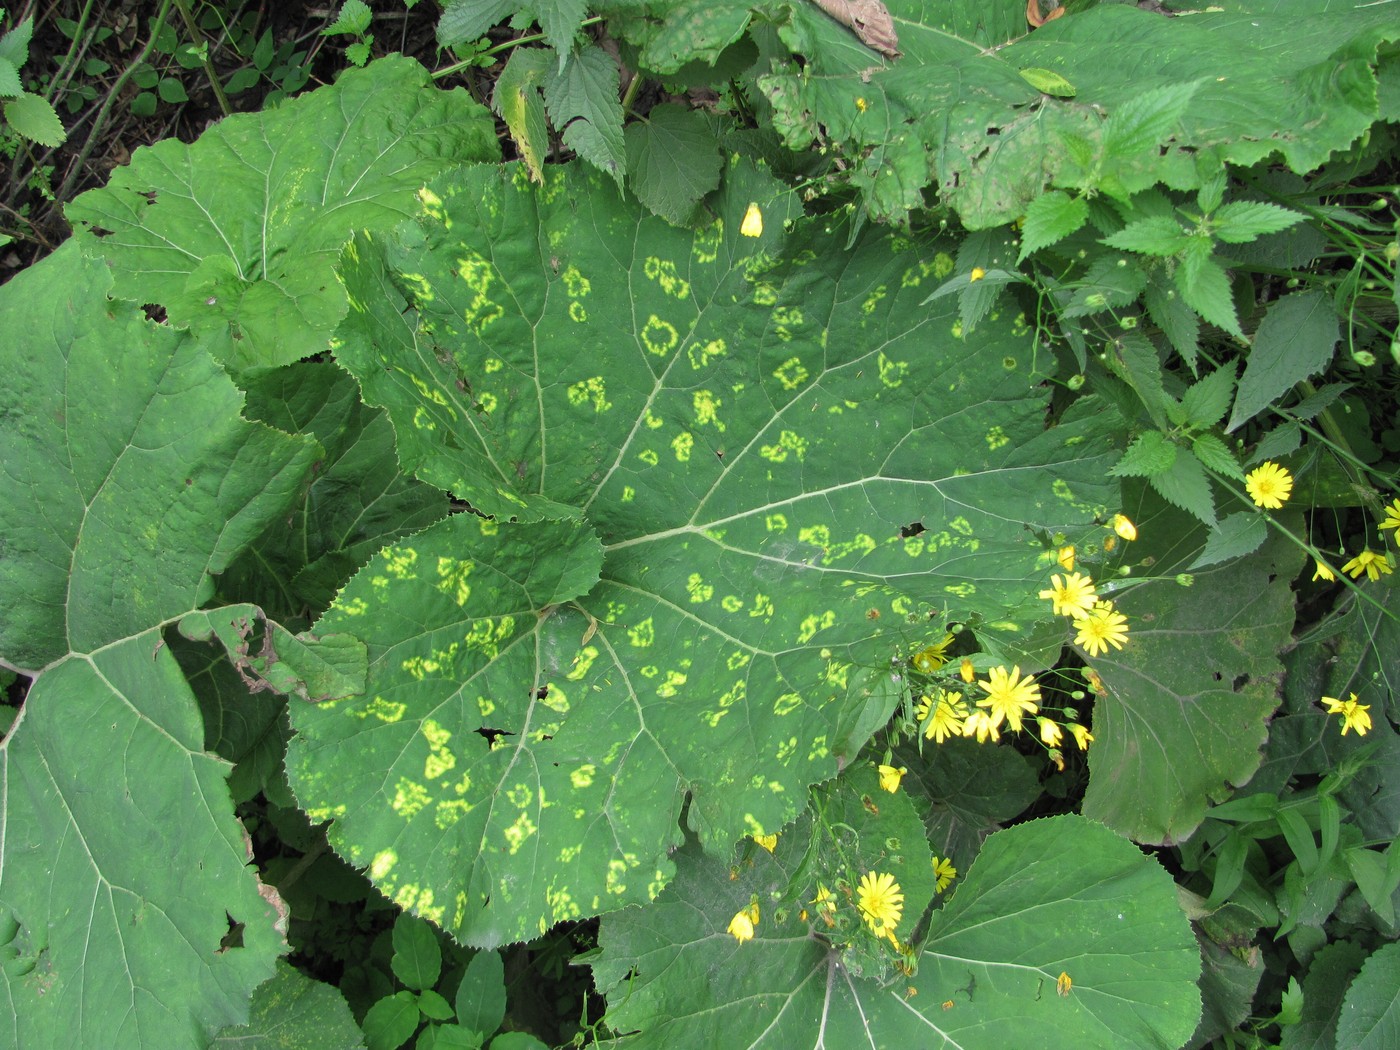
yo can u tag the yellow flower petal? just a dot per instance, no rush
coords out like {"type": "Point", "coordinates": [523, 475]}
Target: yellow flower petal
{"type": "Point", "coordinates": [1124, 527]}
{"type": "Point", "coordinates": [890, 777]}
{"type": "Point", "coordinates": [741, 926]}
{"type": "Point", "coordinates": [752, 225]}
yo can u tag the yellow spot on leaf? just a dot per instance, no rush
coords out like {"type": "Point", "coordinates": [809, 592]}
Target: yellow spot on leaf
{"type": "Point", "coordinates": [587, 390]}
{"type": "Point", "coordinates": [700, 355]}
{"type": "Point", "coordinates": [682, 444]}
{"type": "Point", "coordinates": [698, 589]}
{"type": "Point", "coordinates": [643, 635]}
{"type": "Point", "coordinates": [659, 337]}
{"type": "Point", "coordinates": [788, 441]}
{"type": "Point", "coordinates": [409, 798]}
{"type": "Point", "coordinates": [791, 373]}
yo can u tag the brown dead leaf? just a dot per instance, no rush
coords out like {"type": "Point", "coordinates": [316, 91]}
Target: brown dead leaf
{"type": "Point", "coordinates": [870, 21]}
{"type": "Point", "coordinates": [1036, 19]}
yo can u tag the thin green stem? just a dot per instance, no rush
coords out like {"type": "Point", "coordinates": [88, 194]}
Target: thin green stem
{"type": "Point", "coordinates": [199, 39]}
{"type": "Point", "coordinates": [532, 38]}
{"type": "Point", "coordinates": [99, 122]}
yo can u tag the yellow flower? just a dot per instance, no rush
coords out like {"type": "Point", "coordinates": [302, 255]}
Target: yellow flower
{"type": "Point", "coordinates": [1063, 984]}
{"type": "Point", "coordinates": [1101, 628]}
{"type": "Point", "coordinates": [1324, 571]}
{"type": "Point", "coordinates": [1049, 732]}
{"type": "Point", "coordinates": [1269, 485]}
{"type": "Point", "coordinates": [966, 671]}
{"type": "Point", "coordinates": [741, 926]}
{"type": "Point", "coordinates": [1072, 595]}
{"type": "Point", "coordinates": [1081, 735]}
{"type": "Point", "coordinates": [768, 842]}
{"type": "Point", "coordinates": [1009, 696]}
{"type": "Point", "coordinates": [1124, 527]}
{"type": "Point", "coordinates": [1368, 561]}
{"type": "Point", "coordinates": [881, 903]}
{"type": "Point", "coordinates": [931, 658]}
{"type": "Point", "coordinates": [890, 777]}
{"type": "Point", "coordinates": [1066, 558]}
{"type": "Point", "coordinates": [977, 274]}
{"type": "Point", "coordinates": [1392, 517]}
{"type": "Point", "coordinates": [981, 725]}
{"type": "Point", "coordinates": [861, 104]}
{"type": "Point", "coordinates": [752, 225]}
{"type": "Point", "coordinates": [944, 872]}
{"type": "Point", "coordinates": [1353, 714]}
{"type": "Point", "coordinates": [1057, 756]}
{"type": "Point", "coordinates": [947, 717]}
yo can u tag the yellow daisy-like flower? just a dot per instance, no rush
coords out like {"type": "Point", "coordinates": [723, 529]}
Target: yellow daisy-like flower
{"type": "Point", "coordinates": [768, 842]}
{"type": "Point", "coordinates": [1372, 564]}
{"type": "Point", "coordinates": [1081, 735]}
{"type": "Point", "coordinates": [1324, 571]}
{"type": "Point", "coordinates": [1050, 733]}
{"type": "Point", "coordinates": [981, 725]}
{"type": "Point", "coordinates": [966, 671]}
{"type": "Point", "coordinates": [1392, 517]}
{"type": "Point", "coordinates": [890, 777]}
{"type": "Point", "coordinates": [1353, 714]}
{"type": "Point", "coordinates": [752, 226]}
{"type": "Point", "coordinates": [1102, 627]}
{"type": "Point", "coordinates": [741, 926]}
{"type": "Point", "coordinates": [1066, 558]}
{"type": "Point", "coordinates": [1269, 485]}
{"type": "Point", "coordinates": [1124, 526]}
{"type": "Point", "coordinates": [931, 658]}
{"type": "Point", "coordinates": [1009, 696]}
{"type": "Point", "coordinates": [1071, 595]}
{"type": "Point", "coordinates": [881, 903]}
{"type": "Point", "coordinates": [947, 716]}
{"type": "Point", "coordinates": [943, 872]}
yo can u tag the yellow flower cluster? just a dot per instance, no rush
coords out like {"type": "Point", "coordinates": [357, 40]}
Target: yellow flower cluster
{"type": "Point", "coordinates": [1097, 624]}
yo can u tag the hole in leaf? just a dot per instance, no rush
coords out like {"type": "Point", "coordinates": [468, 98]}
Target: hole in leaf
{"type": "Point", "coordinates": [912, 529]}
{"type": "Point", "coordinates": [150, 196]}
{"type": "Point", "coordinates": [154, 312]}
{"type": "Point", "coordinates": [719, 453]}
{"type": "Point", "coordinates": [99, 231]}
{"type": "Point", "coordinates": [1240, 682]}
{"type": "Point", "coordinates": [994, 131]}
{"type": "Point", "coordinates": [234, 937]}
{"type": "Point", "coordinates": [542, 692]}
{"type": "Point", "coordinates": [492, 735]}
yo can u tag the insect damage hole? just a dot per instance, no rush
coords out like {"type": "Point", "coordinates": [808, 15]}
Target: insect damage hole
{"type": "Point", "coordinates": [233, 938]}
{"type": "Point", "coordinates": [493, 735]}
{"type": "Point", "coordinates": [912, 529]}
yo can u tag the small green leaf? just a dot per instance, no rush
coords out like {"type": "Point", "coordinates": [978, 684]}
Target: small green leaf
{"type": "Point", "coordinates": [673, 160]}
{"type": "Point", "coordinates": [1108, 284]}
{"type": "Point", "coordinates": [1049, 82]}
{"type": "Point", "coordinates": [467, 20]}
{"type": "Point", "coordinates": [450, 1037]}
{"type": "Point", "coordinates": [1150, 453]}
{"type": "Point", "coordinates": [357, 54]}
{"type": "Point", "coordinates": [1051, 216]}
{"type": "Point", "coordinates": [391, 1022]}
{"type": "Point", "coordinates": [582, 99]}
{"type": "Point", "coordinates": [30, 116]}
{"type": "Point", "coordinates": [1134, 359]}
{"type": "Point", "coordinates": [517, 1041]}
{"type": "Point", "coordinates": [1206, 290]}
{"type": "Point", "coordinates": [1214, 455]}
{"type": "Point", "coordinates": [1187, 486]}
{"type": "Point", "coordinates": [518, 99]}
{"type": "Point", "coordinates": [1242, 221]}
{"type": "Point", "coordinates": [1158, 235]}
{"type": "Point", "coordinates": [10, 85]}
{"type": "Point", "coordinates": [417, 957]}
{"type": "Point", "coordinates": [171, 90]}
{"type": "Point", "coordinates": [1179, 323]}
{"type": "Point", "coordinates": [481, 997]}
{"type": "Point", "coordinates": [434, 1006]}
{"type": "Point", "coordinates": [1295, 340]}
{"type": "Point", "coordinates": [1241, 533]}
{"type": "Point", "coordinates": [14, 45]}
{"type": "Point", "coordinates": [1145, 122]}
{"type": "Point", "coordinates": [1370, 1017]}
{"type": "Point", "coordinates": [354, 18]}
{"type": "Point", "coordinates": [1207, 399]}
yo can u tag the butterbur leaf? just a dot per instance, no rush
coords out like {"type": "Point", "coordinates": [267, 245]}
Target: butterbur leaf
{"type": "Point", "coordinates": [681, 422]}
{"type": "Point", "coordinates": [1118, 932]}
{"type": "Point", "coordinates": [1295, 340]}
{"type": "Point", "coordinates": [1051, 217]}
{"type": "Point", "coordinates": [293, 1010]}
{"type": "Point", "coordinates": [1182, 715]}
{"type": "Point", "coordinates": [236, 234]}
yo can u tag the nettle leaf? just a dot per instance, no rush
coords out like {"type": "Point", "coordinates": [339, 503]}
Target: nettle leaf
{"type": "Point", "coordinates": [236, 235]}
{"type": "Point", "coordinates": [1295, 340]}
{"type": "Point", "coordinates": [1179, 323]}
{"type": "Point", "coordinates": [1242, 221]}
{"type": "Point", "coordinates": [1051, 217]}
{"type": "Point", "coordinates": [1150, 453]}
{"type": "Point", "coordinates": [149, 483]}
{"type": "Point", "coordinates": [1109, 283]}
{"type": "Point", "coordinates": [1156, 235]}
{"type": "Point", "coordinates": [1185, 484]}
{"type": "Point", "coordinates": [1368, 1019]}
{"type": "Point", "coordinates": [518, 99]}
{"type": "Point", "coordinates": [1241, 533]}
{"type": "Point", "coordinates": [738, 435]}
{"type": "Point", "coordinates": [1184, 711]}
{"type": "Point", "coordinates": [1206, 289]}
{"type": "Point", "coordinates": [1062, 895]}
{"type": "Point", "coordinates": [1206, 400]}
{"type": "Point", "coordinates": [1215, 455]}
{"type": "Point", "coordinates": [583, 103]}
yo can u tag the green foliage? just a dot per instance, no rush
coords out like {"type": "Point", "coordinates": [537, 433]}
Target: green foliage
{"type": "Point", "coordinates": [28, 115]}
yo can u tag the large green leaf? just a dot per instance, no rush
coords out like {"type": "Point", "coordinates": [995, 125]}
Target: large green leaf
{"type": "Point", "coordinates": [132, 477]}
{"type": "Point", "coordinates": [1234, 85]}
{"type": "Point", "coordinates": [122, 862]}
{"type": "Point", "coordinates": [236, 235]}
{"type": "Point", "coordinates": [1054, 896]}
{"type": "Point", "coordinates": [292, 1011]}
{"type": "Point", "coordinates": [757, 429]}
{"type": "Point", "coordinates": [1183, 714]}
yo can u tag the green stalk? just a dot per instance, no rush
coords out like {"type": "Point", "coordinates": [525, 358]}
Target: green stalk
{"type": "Point", "coordinates": [199, 38]}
